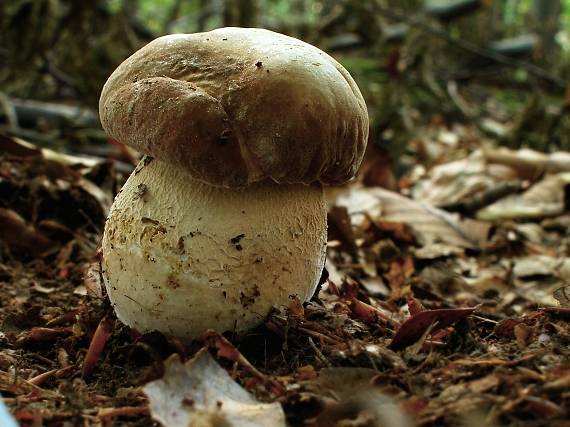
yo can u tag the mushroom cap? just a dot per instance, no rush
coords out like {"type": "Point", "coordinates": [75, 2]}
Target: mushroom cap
{"type": "Point", "coordinates": [238, 105]}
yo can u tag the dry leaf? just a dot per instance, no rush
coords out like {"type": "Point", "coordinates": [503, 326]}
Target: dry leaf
{"type": "Point", "coordinates": [201, 393]}
{"type": "Point", "coordinates": [20, 236]}
{"type": "Point", "coordinates": [413, 328]}
{"type": "Point", "coordinates": [546, 198]}
{"type": "Point", "coordinates": [562, 295]}
{"type": "Point", "coordinates": [354, 395]}
{"type": "Point", "coordinates": [462, 180]}
{"type": "Point", "coordinates": [430, 225]}
{"type": "Point", "coordinates": [529, 163]}
{"type": "Point", "coordinates": [535, 265]}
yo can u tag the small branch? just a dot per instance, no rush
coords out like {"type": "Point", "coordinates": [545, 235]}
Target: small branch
{"type": "Point", "coordinates": [98, 342]}
{"type": "Point", "coordinates": [40, 379]}
{"type": "Point", "coordinates": [125, 411]}
{"type": "Point", "coordinates": [319, 353]}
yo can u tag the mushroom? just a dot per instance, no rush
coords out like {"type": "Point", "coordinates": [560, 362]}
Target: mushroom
{"type": "Point", "coordinates": [225, 217]}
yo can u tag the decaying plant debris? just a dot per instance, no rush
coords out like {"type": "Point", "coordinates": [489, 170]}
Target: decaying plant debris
{"type": "Point", "coordinates": [426, 312]}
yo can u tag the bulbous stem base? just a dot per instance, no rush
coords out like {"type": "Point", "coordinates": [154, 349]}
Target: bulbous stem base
{"type": "Point", "coordinates": [181, 257]}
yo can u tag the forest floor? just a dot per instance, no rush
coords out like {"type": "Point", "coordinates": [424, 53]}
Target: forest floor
{"type": "Point", "coordinates": [446, 303]}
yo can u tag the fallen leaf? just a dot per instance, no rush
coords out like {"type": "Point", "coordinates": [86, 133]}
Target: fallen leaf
{"type": "Point", "coordinates": [413, 328]}
{"type": "Point", "coordinates": [39, 334]}
{"type": "Point", "coordinates": [522, 334]}
{"type": "Point", "coordinates": [561, 311]}
{"type": "Point", "coordinates": [462, 181]}
{"type": "Point", "coordinates": [562, 295]}
{"type": "Point", "coordinates": [397, 230]}
{"type": "Point", "coordinates": [93, 280]}
{"type": "Point", "coordinates": [20, 236]}
{"type": "Point", "coordinates": [341, 228]}
{"type": "Point", "coordinates": [546, 198]}
{"type": "Point", "coordinates": [485, 384]}
{"type": "Point", "coordinates": [542, 408]}
{"type": "Point", "coordinates": [295, 306]}
{"type": "Point", "coordinates": [20, 148]}
{"type": "Point", "coordinates": [398, 275]}
{"type": "Point", "coordinates": [354, 394]}
{"type": "Point", "coordinates": [537, 265]}
{"type": "Point", "coordinates": [414, 306]}
{"type": "Point", "coordinates": [429, 224]}
{"type": "Point", "coordinates": [437, 250]}
{"type": "Point", "coordinates": [529, 163]}
{"type": "Point", "coordinates": [506, 328]}
{"type": "Point", "coordinates": [201, 393]}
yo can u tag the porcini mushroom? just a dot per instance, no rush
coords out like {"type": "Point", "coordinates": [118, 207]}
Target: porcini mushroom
{"type": "Point", "coordinates": [225, 217]}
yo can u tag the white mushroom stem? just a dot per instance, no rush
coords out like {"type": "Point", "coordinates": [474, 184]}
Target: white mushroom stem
{"type": "Point", "coordinates": [180, 256]}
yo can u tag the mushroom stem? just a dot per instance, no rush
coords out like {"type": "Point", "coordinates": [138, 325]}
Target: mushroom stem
{"type": "Point", "coordinates": [181, 256]}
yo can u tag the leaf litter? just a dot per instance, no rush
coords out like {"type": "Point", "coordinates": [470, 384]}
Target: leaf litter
{"type": "Point", "coordinates": [436, 307]}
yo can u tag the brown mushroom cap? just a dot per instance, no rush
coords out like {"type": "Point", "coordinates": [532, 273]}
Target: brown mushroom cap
{"type": "Point", "coordinates": [238, 105]}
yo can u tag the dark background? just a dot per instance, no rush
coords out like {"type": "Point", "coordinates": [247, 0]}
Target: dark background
{"type": "Point", "coordinates": [502, 65]}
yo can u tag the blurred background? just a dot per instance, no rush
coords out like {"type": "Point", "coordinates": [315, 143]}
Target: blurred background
{"type": "Point", "coordinates": [500, 65]}
{"type": "Point", "coordinates": [462, 202]}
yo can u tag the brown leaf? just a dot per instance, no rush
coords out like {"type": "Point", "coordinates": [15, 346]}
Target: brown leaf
{"type": "Point", "coordinates": [295, 306]}
{"type": "Point", "coordinates": [506, 328]}
{"type": "Point", "coordinates": [396, 230]}
{"type": "Point", "coordinates": [483, 385]}
{"type": "Point", "coordinates": [542, 408]}
{"type": "Point", "coordinates": [368, 314]}
{"type": "Point", "coordinates": [413, 328]}
{"type": "Point", "coordinates": [399, 273]}
{"type": "Point", "coordinates": [376, 168]}
{"type": "Point", "coordinates": [415, 306]}
{"type": "Point", "coordinates": [21, 237]}
{"type": "Point", "coordinates": [523, 334]}
{"type": "Point", "coordinates": [39, 334]}
{"type": "Point", "coordinates": [429, 224]}
{"type": "Point", "coordinates": [560, 311]}
{"type": "Point", "coordinates": [226, 350]}
{"type": "Point", "coordinates": [18, 148]}
{"type": "Point", "coordinates": [341, 228]}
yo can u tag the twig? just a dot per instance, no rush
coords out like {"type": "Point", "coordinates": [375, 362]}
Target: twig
{"type": "Point", "coordinates": [484, 319]}
{"type": "Point", "coordinates": [227, 350]}
{"type": "Point", "coordinates": [40, 379]}
{"type": "Point", "coordinates": [319, 335]}
{"type": "Point", "coordinates": [319, 353]}
{"type": "Point", "coordinates": [100, 338]}
{"type": "Point", "coordinates": [125, 411]}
